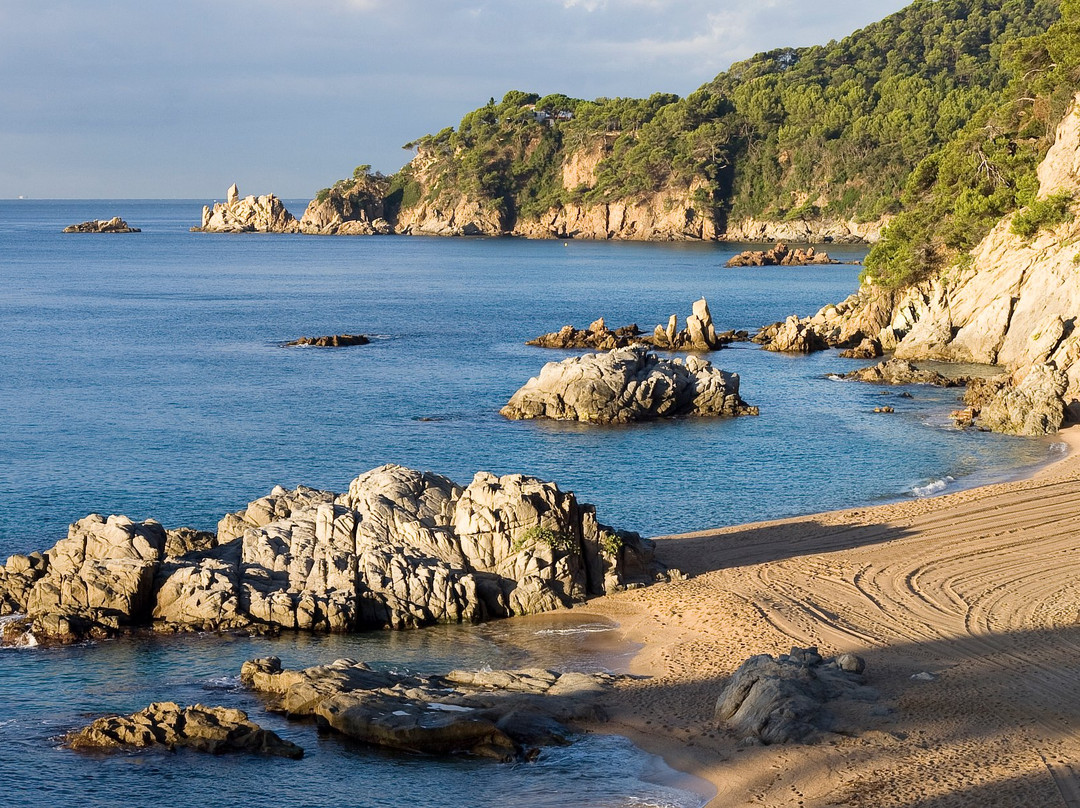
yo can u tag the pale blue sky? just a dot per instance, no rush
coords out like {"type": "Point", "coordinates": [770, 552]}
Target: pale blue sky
{"type": "Point", "coordinates": [118, 98]}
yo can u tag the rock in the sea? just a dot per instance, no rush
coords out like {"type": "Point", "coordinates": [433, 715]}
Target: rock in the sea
{"type": "Point", "coordinates": [499, 714]}
{"type": "Point", "coordinates": [626, 385]}
{"type": "Point", "coordinates": [330, 341]}
{"type": "Point", "coordinates": [1028, 402]}
{"type": "Point", "coordinates": [252, 214]}
{"type": "Point", "coordinates": [113, 225]}
{"type": "Point", "coordinates": [791, 336]}
{"type": "Point", "coordinates": [400, 549]}
{"type": "Point", "coordinates": [780, 255]}
{"type": "Point", "coordinates": [216, 730]}
{"type": "Point", "coordinates": [869, 348]}
{"type": "Point", "coordinates": [784, 699]}
{"type": "Point", "coordinates": [699, 334]}
{"type": "Point", "coordinates": [898, 371]}
{"type": "Point", "coordinates": [597, 336]}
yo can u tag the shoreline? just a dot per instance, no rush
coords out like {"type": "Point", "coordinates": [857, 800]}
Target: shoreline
{"type": "Point", "coordinates": [974, 586]}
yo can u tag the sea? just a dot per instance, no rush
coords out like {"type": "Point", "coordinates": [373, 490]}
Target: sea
{"type": "Point", "coordinates": [145, 374]}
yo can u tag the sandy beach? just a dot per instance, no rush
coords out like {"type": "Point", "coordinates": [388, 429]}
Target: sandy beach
{"type": "Point", "coordinates": [980, 588]}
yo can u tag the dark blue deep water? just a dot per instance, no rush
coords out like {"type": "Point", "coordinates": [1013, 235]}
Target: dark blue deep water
{"type": "Point", "coordinates": [143, 374]}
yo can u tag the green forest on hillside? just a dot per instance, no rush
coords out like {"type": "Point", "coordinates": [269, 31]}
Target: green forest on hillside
{"type": "Point", "coordinates": [936, 115]}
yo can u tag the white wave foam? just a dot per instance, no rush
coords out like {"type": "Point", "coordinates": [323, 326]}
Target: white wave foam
{"type": "Point", "coordinates": [222, 683]}
{"type": "Point", "coordinates": [832, 377]}
{"type": "Point", "coordinates": [935, 487]}
{"type": "Point", "coordinates": [588, 628]}
{"type": "Point", "coordinates": [448, 708]}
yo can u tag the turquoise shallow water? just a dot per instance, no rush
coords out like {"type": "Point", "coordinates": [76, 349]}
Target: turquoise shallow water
{"type": "Point", "coordinates": [143, 374]}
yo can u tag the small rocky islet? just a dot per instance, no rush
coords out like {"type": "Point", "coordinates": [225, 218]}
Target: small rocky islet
{"type": "Point", "coordinates": [113, 225]}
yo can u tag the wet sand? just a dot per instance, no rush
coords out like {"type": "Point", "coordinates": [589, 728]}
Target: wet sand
{"type": "Point", "coordinates": [980, 588]}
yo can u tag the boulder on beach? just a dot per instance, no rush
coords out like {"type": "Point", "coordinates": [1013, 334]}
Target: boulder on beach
{"type": "Point", "coordinates": [784, 699]}
{"type": "Point", "coordinates": [626, 385]}
{"type": "Point", "coordinates": [113, 225]}
{"type": "Point", "coordinates": [499, 714]}
{"type": "Point", "coordinates": [400, 549]}
{"type": "Point", "coordinates": [216, 730]}
{"type": "Point", "coordinates": [1029, 401]}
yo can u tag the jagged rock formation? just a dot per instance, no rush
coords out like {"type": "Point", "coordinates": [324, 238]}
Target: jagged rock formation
{"type": "Point", "coordinates": [330, 341]}
{"type": "Point", "coordinates": [784, 699]}
{"type": "Point", "coordinates": [780, 255]}
{"type": "Point", "coordinates": [113, 225]}
{"type": "Point", "coordinates": [351, 208]}
{"type": "Point", "coordinates": [791, 336]}
{"type": "Point", "coordinates": [597, 336]}
{"type": "Point", "coordinates": [699, 334]}
{"type": "Point", "coordinates": [869, 348]}
{"type": "Point", "coordinates": [626, 385]}
{"type": "Point", "coordinates": [216, 730]}
{"type": "Point", "coordinates": [1027, 402]}
{"type": "Point", "coordinates": [399, 549]}
{"type": "Point", "coordinates": [499, 714]}
{"type": "Point", "coordinates": [252, 214]}
{"type": "Point", "coordinates": [899, 371]}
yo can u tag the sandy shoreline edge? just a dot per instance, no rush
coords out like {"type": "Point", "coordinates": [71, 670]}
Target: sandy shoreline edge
{"type": "Point", "coordinates": [980, 587]}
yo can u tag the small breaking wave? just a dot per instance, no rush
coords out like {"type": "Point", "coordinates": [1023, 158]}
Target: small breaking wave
{"type": "Point", "coordinates": [24, 640]}
{"type": "Point", "coordinates": [587, 628]}
{"type": "Point", "coordinates": [932, 488]}
{"type": "Point", "coordinates": [222, 683]}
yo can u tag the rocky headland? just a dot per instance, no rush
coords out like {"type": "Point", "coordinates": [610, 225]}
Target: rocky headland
{"type": "Point", "coordinates": [399, 549]}
{"type": "Point", "coordinates": [627, 385]}
{"type": "Point", "coordinates": [113, 225]}
{"type": "Point", "coordinates": [1014, 306]}
{"type": "Point", "coordinates": [216, 730]}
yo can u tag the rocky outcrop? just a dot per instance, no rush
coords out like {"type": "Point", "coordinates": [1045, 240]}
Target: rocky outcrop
{"type": "Point", "coordinates": [351, 208]}
{"type": "Point", "coordinates": [216, 730]}
{"type": "Point", "coordinates": [869, 348]}
{"type": "Point", "coordinates": [791, 336]}
{"type": "Point", "coordinates": [329, 341]}
{"type": "Point", "coordinates": [786, 699]}
{"type": "Point", "coordinates": [1027, 402]}
{"type": "Point", "coordinates": [699, 334]}
{"type": "Point", "coordinates": [252, 214]}
{"type": "Point", "coordinates": [399, 549]}
{"type": "Point", "coordinates": [898, 371]}
{"type": "Point", "coordinates": [780, 255]}
{"type": "Point", "coordinates": [626, 385]}
{"type": "Point", "coordinates": [597, 336]}
{"type": "Point", "coordinates": [113, 225]}
{"type": "Point", "coordinates": [504, 715]}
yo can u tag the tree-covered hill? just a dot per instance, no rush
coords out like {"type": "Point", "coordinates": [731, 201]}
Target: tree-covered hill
{"type": "Point", "coordinates": [875, 124]}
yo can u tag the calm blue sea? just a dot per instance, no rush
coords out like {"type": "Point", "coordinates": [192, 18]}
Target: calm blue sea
{"type": "Point", "coordinates": [143, 374]}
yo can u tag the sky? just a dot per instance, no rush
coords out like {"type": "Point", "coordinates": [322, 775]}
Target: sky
{"type": "Point", "coordinates": [148, 99]}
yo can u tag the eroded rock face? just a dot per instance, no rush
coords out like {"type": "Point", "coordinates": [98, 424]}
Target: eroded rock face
{"type": "Point", "coordinates": [1028, 402]}
{"type": "Point", "coordinates": [784, 699]}
{"type": "Point", "coordinates": [351, 208]}
{"type": "Point", "coordinates": [499, 714]}
{"type": "Point", "coordinates": [113, 225]}
{"type": "Point", "coordinates": [627, 385]}
{"type": "Point", "coordinates": [401, 548]}
{"type": "Point", "coordinates": [216, 730]}
{"type": "Point", "coordinates": [252, 214]}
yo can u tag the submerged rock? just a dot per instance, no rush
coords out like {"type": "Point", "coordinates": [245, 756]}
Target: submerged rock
{"type": "Point", "coordinates": [897, 371]}
{"type": "Point", "coordinates": [784, 699]}
{"type": "Point", "coordinates": [113, 225]}
{"type": "Point", "coordinates": [216, 730]}
{"type": "Point", "coordinates": [330, 341]}
{"type": "Point", "coordinates": [499, 714]}
{"type": "Point", "coordinates": [627, 385]}
{"type": "Point", "coordinates": [400, 549]}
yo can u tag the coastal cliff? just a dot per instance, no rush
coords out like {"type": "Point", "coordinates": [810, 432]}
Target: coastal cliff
{"type": "Point", "coordinates": [1014, 304]}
